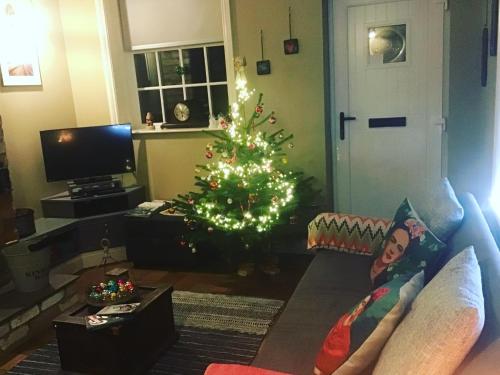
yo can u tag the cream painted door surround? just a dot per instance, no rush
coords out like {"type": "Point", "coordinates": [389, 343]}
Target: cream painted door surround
{"type": "Point", "coordinates": [388, 59]}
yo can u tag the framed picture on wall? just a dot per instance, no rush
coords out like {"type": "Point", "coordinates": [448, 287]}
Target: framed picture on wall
{"type": "Point", "coordinates": [18, 53]}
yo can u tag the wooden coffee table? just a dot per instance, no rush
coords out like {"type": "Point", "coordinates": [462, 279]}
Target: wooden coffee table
{"type": "Point", "coordinates": [130, 348]}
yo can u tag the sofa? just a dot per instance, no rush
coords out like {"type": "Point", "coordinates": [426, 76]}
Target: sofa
{"type": "Point", "coordinates": [336, 280]}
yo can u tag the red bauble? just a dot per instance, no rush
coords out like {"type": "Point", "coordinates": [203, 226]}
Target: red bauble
{"type": "Point", "coordinates": [209, 154]}
{"type": "Point", "coordinates": [214, 185]}
{"type": "Point", "coordinates": [259, 109]}
{"type": "Point", "coordinates": [272, 120]}
{"type": "Point", "coordinates": [251, 146]}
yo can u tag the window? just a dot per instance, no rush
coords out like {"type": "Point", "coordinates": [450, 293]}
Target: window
{"type": "Point", "coordinates": [387, 44]}
{"type": "Point", "coordinates": [195, 76]}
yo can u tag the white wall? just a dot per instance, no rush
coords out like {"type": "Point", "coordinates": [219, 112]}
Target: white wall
{"type": "Point", "coordinates": [85, 62]}
{"type": "Point", "coordinates": [27, 110]}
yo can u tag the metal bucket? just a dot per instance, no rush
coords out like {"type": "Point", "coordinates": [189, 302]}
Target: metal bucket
{"type": "Point", "coordinates": [29, 269]}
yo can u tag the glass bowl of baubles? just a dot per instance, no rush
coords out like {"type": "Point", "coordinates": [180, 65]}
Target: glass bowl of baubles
{"type": "Point", "coordinates": [111, 292]}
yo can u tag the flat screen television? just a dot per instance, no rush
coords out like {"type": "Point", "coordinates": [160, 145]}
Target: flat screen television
{"type": "Point", "coordinates": [76, 153]}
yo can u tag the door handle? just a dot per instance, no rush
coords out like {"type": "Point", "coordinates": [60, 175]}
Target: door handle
{"type": "Point", "coordinates": [343, 119]}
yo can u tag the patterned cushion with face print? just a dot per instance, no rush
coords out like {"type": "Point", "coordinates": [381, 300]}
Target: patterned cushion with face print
{"type": "Point", "coordinates": [409, 246]}
{"type": "Point", "coordinates": [357, 338]}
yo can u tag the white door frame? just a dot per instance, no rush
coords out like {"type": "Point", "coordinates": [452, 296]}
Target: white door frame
{"type": "Point", "coordinates": [339, 63]}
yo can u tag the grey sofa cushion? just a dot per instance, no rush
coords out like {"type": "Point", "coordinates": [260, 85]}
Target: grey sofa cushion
{"type": "Point", "coordinates": [332, 284]}
{"type": "Point", "coordinates": [440, 210]}
{"type": "Point", "coordinates": [341, 271]}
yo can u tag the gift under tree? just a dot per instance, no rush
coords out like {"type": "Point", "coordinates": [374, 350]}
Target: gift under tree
{"type": "Point", "coordinates": [245, 186]}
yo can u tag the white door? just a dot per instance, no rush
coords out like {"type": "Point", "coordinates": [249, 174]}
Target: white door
{"type": "Point", "coordinates": [388, 58]}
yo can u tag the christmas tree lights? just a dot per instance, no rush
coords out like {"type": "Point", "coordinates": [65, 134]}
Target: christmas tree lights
{"type": "Point", "coordinates": [245, 189]}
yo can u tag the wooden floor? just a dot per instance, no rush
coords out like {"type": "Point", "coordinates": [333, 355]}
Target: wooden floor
{"type": "Point", "coordinates": [258, 284]}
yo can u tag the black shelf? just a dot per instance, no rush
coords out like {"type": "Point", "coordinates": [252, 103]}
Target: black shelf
{"type": "Point", "coordinates": [63, 206]}
{"type": "Point", "coordinates": [74, 226]}
{"type": "Point", "coordinates": [155, 242]}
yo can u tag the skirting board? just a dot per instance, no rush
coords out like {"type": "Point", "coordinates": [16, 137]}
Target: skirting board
{"type": "Point", "coordinates": [88, 260]}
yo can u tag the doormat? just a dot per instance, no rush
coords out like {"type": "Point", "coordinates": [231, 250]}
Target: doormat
{"type": "Point", "coordinates": [212, 328]}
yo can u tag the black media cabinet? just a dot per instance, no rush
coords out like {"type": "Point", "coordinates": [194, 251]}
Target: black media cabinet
{"type": "Point", "coordinates": [83, 222]}
{"type": "Point", "coordinates": [156, 242]}
{"type": "Point", "coordinates": [62, 205]}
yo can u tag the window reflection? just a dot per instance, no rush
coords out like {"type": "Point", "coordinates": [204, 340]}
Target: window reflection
{"type": "Point", "coordinates": [387, 43]}
{"type": "Point", "coordinates": [145, 69]}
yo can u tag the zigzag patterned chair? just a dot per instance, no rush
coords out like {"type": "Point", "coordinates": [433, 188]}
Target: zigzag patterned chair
{"type": "Point", "coordinates": [347, 233]}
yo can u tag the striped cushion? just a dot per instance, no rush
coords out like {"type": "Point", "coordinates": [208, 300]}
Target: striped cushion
{"type": "Point", "coordinates": [347, 233]}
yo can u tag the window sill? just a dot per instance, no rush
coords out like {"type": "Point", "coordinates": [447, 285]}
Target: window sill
{"type": "Point", "coordinates": [138, 132]}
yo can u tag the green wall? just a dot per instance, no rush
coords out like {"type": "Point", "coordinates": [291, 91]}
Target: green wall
{"type": "Point", "coordinates": [471, 107]}
{"type": "Point", "coordinates": [295, 87]}
{"type": "Point", "coordinates": [294, 90]}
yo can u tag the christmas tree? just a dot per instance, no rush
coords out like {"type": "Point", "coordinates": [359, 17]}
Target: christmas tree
{"type": "Point", "coordinates": [245, 187]}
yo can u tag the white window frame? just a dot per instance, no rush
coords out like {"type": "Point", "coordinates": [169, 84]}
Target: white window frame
{"type": "Point", "coordinates": [208, 84]}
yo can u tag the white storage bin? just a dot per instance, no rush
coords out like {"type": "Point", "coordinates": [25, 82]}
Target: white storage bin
{"type": "Point", "coordinates": [29, 269]}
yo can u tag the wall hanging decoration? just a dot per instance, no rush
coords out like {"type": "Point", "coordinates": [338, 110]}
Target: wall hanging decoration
{"type": "Point", "coordinates": [290, 46]}
{"type": "Point", "coordinates": [494, 28]}
{"type": "Point", "coordinates": [484, 52]}
{"type": "Point", "coordinates": [18, 53]}
{"type": "Point", "coordinates": [263, 66]}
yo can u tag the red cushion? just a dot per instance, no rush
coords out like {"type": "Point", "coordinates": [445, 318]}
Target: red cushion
{"type": "Point", "coordinates": [218, 369]}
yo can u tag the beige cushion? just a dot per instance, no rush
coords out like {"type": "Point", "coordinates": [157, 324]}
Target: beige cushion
{"type": "Point", "coordinates": [442, 325]}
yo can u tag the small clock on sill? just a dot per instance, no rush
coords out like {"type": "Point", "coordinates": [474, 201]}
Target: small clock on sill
{"type": "Point", "coordinates": [187, 114]}
{"type": "Point", "coordinates": [182, 112]}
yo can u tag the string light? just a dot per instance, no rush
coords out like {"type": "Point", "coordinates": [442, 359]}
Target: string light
{"type": "Point", "coordinates": [267, 190]}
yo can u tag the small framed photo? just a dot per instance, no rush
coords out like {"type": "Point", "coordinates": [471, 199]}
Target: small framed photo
{"type": "Point", "coordinates": [17, 73]}
{"type": "Point", "coordinates": [291, 46]}
{"type": "Point", "coordinates": [263, 67]}
{"type": "Point", "coordinates": [18, 52]}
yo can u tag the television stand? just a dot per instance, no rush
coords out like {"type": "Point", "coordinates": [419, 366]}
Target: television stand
{"type": "Point", "coordinates": [62, 205]}
{"type": "Point", "coordinates": [89, 180]}
{"type": "Point", "coordinates": [93, 186]}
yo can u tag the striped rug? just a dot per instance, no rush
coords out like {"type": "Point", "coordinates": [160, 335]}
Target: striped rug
{"type": "Point", "coordinates": [212, 328]}
{"type": "Point", "coordinates": [226, 313]}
